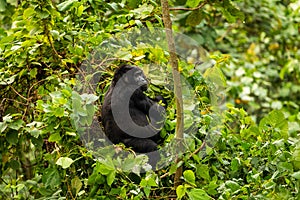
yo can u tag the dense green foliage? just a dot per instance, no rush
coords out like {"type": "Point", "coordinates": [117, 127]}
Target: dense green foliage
{"type": "Point", "coordinates": [45, 105]}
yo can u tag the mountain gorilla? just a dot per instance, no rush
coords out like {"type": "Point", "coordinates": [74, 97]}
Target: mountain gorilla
{"type": "Point", "coordinates": [128, 115]}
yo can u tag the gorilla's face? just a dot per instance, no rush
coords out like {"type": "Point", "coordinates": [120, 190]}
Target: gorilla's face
{"type": "Point", "coordinates": [131, 75]}
{"type": "Point", "coordinates": [140, 79]}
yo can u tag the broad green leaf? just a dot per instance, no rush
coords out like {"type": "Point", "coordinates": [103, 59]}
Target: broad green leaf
{"type": "Point", "coordinates": [148, 181]}
{"type": "Point", "coordinates": [143, 183]}
{"type": "Point", "coordinates": [16, 125]}
{"type": "Point", "coordinates": [28, 13]}
{"type": "Point", "coordinates": [147, 191]}
{"type": "Point", "coordinates": [76, 185]}
{"type": "Point", "coordinates": [203, 171]}
{"type": "Point", "coordinates": [58, 98]}
{"type": "Point", "coordinates": [64, 162]}
{"type": "Point", "coordinates": [51, 178]}
{"type": "Point", "coordinates": [59, 112]}
{"type": "Point", "coordinates": [151, 181]}
{"type": "Point", "coordinates": [76, 103]}
{"type": "Point", "coordinates": [44, 13]}
{"type": "Point", "coordinates": [54, 137]}
{"type": "Point", "coordinates": [150, 26]}
{"type": "Point", "coordinates": [180, 191]}
{"type": "Point", "coordinates": [106, 166]}
{"type": "Point", "coordinates": [20, 187]}
{"type": "Point", "coordinates": [128, 163]}
{"type": "Point", "coordinates": [110, 178]}
{"type": "Point", "coordinates": [234, 186]}
{"type": "Point", "coordinates": [12, 137]}
{"type": "Point", "coordinates": [189, 176]}
{"type": "Point", "coordinates": [192, 3]}
{"type": "Point", "coordinates": [198, 194]}
{"type": "Point", "coordinates": [105, 170]}
{"type": "Point", "coordinates": [276, 120]}
{"type": "Point", "coordinates": [195, 18]}
{"type": "Point", "coordinates": [173, 169]}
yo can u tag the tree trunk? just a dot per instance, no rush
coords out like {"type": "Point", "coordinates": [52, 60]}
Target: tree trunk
{"type": "Point", "coordinates": [177, 84]}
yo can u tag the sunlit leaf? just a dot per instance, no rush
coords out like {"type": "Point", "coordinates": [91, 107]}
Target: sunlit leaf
{"type": "Point", "coordinates": [180, 191]}
{"type": "Point", "coordinates": [192, 3]}
{"type": "Point", "coordinates": [64, 162]}
{"type": "Point", "coordinates": [189, 176]}
{"type": "Point", "coordinates": [80, 10]}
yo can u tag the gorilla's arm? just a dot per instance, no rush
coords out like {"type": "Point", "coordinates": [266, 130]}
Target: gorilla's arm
{"type": "Point", "coordinates": [144, 103]}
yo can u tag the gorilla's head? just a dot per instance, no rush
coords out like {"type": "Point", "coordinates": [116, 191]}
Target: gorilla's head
{"type": "Point", "coordinates": [131, 75]}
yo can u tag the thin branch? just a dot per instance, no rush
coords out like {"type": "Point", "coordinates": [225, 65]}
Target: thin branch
{"type": "Point", "coordinates": [13, 100]}
{"type": "Point", "coordinates": [47, 32]}
{"type": "Point", "coordinates": [18, 93]}
{"type": "Point", "coordinates": [190, 9]}
{"type": "Point", "coordinates": [164, 175]}
{"type": "Point", "coordinates": [33, 85]}
{"type": "Point", "coordinates": [197, 150]}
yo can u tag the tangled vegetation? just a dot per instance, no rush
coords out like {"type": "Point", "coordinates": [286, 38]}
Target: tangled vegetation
{"type": "Point", "coordinates": [246, 57]}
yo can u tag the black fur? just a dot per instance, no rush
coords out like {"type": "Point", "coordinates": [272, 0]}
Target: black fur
{"type": "Point", "coordinates": [139, 105]}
